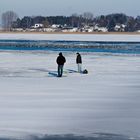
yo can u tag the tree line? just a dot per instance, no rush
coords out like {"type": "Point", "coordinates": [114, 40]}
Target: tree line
{"type": "Point", "coordinates": [11, 20]}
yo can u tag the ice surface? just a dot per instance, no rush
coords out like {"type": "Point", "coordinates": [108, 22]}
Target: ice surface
{"type": "Point", "coordinates": [104, 102]}
{"type": "Point", "coordinates": [33, 101]}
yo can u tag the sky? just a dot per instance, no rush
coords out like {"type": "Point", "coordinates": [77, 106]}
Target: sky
{"type": "Point", "coordinates": [68, 7]}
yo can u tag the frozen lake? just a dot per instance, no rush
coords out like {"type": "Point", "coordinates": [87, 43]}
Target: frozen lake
{"type": "Point", "coordinates": [37, 105]}
{"type": "Point", "coordinates": [33, 101]}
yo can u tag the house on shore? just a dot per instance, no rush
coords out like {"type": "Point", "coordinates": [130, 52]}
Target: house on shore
{"type": "Point", "coordinates": [38, 25]}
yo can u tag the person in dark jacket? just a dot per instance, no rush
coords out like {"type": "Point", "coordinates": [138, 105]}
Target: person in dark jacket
{"type": "Point", "coordinates": [60, 61]}
{"type": "Point", "coordinates": [79, 62]}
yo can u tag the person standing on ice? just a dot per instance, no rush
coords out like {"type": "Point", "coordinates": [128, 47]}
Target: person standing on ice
{"type": "Point", "coordinates": [79, 62]}
{"type": "Point", "coordinates": [60, 61]}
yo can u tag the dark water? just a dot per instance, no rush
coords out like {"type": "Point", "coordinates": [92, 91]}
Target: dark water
{"type": "Point", "coordinates": [82, 46]}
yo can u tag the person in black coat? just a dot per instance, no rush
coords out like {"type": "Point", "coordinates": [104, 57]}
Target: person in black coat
{"type": "Point", "coordinates": [79, 62]}
{"type": "Point", "coordinates": [60, 61]}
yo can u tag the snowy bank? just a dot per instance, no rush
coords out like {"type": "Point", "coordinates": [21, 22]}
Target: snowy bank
{"type": "Point", "coordinates": [73, 37]}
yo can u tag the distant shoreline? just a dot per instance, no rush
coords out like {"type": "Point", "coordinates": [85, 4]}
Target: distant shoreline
{"type": "Point", "coordinates": [98, 33]}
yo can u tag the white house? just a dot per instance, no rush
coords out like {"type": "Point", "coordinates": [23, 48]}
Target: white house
{"type": "Point", "coordinates": [38, 25]}
{"type": "Point", "coordinates": [120, 27]}
{"type": "Point", "coordinates": [91, 29]}
{"type": "Point", "coordinates": [55, 26]}
{"type": "Point", "coordinates": [100, 29]}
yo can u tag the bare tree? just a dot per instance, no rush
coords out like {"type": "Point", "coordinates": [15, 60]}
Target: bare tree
{"type": "Point", "coordinates": [73, 19]}
{"type": "Point", "coordinates": [88, 17]}
{"type": "Point", "coordinates": [7, 20]}
{"type": "Point", "coordinates": [45, 23]}
{"type": "Point", "coordinates": [76, 20]}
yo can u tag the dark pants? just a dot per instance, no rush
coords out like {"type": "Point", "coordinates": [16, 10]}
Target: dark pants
{"type": "Point", "coordinates": [60, 70]}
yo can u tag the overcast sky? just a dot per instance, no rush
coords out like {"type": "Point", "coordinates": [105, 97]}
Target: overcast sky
{"type": "Point", "coordinates": [68, 7]}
